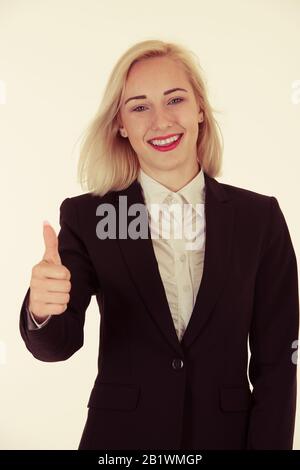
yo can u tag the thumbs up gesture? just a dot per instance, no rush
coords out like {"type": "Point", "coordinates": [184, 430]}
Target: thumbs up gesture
{"type": "Point", "coordinates": [50, 280]}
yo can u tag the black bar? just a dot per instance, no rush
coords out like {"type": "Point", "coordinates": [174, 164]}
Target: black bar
{"type": "Point", "coordinates": [130, 459]}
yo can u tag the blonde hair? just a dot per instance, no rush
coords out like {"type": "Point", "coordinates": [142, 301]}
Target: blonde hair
{"type": "Point", "coordinates": [107, 161]}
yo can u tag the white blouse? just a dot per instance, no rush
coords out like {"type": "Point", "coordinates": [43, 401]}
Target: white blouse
{"type": "Point", "coordinates": [178, 241]}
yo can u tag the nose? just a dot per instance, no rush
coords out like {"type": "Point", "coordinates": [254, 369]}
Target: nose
{"type": "Point", "coordinates": [161, 119]}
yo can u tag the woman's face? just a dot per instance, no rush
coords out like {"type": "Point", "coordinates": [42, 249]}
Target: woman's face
{"type": "Point", "coordinates": [158, 114]}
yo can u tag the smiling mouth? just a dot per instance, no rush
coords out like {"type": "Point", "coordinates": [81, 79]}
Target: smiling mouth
{"type": "Point", "coordinates": [167, 147]}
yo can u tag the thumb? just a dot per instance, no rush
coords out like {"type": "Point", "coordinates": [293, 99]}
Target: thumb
{"type": "Point", "coordinates": [51, 244]}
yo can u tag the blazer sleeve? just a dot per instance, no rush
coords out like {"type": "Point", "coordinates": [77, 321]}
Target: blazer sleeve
{"type": "Point", "coordinates": [63, 335]}
{"type": "Point", "coordinates": [272, 339]}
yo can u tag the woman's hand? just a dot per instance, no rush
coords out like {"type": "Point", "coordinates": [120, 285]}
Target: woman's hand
{"type": "Point", "coordinates": [50, 281]}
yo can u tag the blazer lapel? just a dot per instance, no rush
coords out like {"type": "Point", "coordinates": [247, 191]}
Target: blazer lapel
{"type": "Point", "coordinates": [142, 265]}
{"type": "Point", "coordinates": [219, 216]}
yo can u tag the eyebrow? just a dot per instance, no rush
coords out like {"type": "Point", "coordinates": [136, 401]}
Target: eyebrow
{"type": "Point", "coordinates": [142, 97]}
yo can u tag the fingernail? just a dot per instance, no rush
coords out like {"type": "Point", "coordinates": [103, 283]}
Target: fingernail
{"type": "Point", "coordinates": [45, 222]}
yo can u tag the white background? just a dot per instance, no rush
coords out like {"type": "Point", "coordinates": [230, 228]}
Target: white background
{"type": "Point", "coordinates": [55, 57]}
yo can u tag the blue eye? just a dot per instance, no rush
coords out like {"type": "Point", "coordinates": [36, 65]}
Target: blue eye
{"type": "Point", "coordinates": [141, 106]}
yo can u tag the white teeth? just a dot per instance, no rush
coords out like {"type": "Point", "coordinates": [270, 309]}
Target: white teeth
{"type": "Point", "coordinates": [166, 141]}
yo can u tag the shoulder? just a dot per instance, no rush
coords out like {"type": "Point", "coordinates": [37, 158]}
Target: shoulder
{"type": "Point", "coordinates": [252, 208]}
{"type": "Point", "coordinates": [256, 209]}
{"type": "Point", "coordinates": [90, 199]}
{"type": "Point", "coordinates": [257, 214]}
{"type": "Point", "coordinates": [85, 202]}
{"type": "Point", "coordinates": [245, 199]}
{"type": "Point", "coordinates": [245, 195]}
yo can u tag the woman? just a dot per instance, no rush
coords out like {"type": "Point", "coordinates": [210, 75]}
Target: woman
{"type": "Point", "coordinates": [176, 311]}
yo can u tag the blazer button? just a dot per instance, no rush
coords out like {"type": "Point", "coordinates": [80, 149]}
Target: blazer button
{"type": "Point", "coordinates": [177, 364]}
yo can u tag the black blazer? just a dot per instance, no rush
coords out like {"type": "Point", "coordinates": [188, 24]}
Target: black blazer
{"type": "Point", "coordinates": [153, 391]}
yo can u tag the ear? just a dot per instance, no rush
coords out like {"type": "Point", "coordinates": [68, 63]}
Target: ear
{"type": "Point", "coordinates": [123, 132]}
{"type": "Point", "coordinates": [120, 126]}
{"type": "Point", "coordinates": [201, 116]}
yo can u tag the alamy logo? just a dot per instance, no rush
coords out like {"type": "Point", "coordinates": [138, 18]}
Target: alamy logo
{"type": "Point", "coordinates": [175, 221]}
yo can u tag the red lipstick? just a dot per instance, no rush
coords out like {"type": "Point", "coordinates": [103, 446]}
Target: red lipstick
{"type": "Point", "coordinates": [166, 148]}
{"type": "Point", "coordinates": [164, 137]}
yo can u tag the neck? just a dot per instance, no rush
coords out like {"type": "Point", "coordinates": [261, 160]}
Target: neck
{"type": "Point", "coordinates": [174, 179]}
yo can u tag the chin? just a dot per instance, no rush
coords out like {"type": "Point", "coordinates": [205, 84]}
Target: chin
{"type": "Point", "coordinates": [169, 163]}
